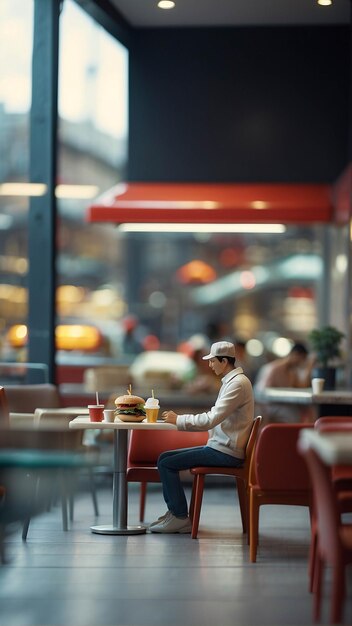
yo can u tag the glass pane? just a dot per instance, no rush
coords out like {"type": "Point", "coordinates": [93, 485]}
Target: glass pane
{"type": "Point", "coordinates": [93, 134]}
{"type": "Point", "coordinates": [250, 286]}
{"type": "Point", "coordinates": [16, 25]}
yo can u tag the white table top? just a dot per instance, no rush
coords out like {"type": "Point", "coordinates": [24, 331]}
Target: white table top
{"type": "Point", "coordinates": [83, 422]}
{"type": "Point", "coordinates": [333, 448]}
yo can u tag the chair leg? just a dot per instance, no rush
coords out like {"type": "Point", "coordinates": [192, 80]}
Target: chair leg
{"type": "Point", "coordinates": [198, 497]}
{"type": "Point", "coordinates": [253, 526]}
{"type": "Point", "coordinates": [71, 489]}
{"type": "Point", "coordinates": [71, 506]}
{"type": "Point", "coordinates": [313, 548]}
{"type": "Point", "coordinates": [35, 491]}
{"type": "Point", "coordinates": [338, 593]}
{"type": "Point", "coordinates": [318, 579]}
{"type": "Point", "coordinates": [191, 503]}
{"type": "Point", "coordinates": [3, 559]}
{"type": "Point", "coordinates": [93, 492]}
{"type": "Point", "coordinates": [142, 499]}
{"type": "Point", "coordinates": [63, 490]}
{"type": "Point", "coordinates": [243, 502]}
{"type": "Point", "coordinates": [25, 528]}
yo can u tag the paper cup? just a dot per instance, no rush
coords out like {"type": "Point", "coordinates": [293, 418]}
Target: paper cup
{"type": "Point", "coordinates": [96, 412]}
{"type": "Point", "coordinates": [317, 385]}
{"type": "Point", "coordinates": [152, 415]}
{"type": "Point", "coordinates": [109, 415]}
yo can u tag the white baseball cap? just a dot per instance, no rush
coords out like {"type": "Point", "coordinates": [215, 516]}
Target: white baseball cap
{"type": "Point", "coordinates": [221, 348]}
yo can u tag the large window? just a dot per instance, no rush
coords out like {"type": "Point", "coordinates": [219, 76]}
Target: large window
{"type": "Point", "coordinates": [164, 287]}
{"type": "Point", "coordinates": [93, 133]}
{"type": "Point", "coordinates": [16, 25]}
{"type": "Point", "coordinates": [92, 156]}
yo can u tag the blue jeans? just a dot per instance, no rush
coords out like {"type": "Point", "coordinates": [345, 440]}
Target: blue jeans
{"type": "Point", "coordinates": [171, 462]}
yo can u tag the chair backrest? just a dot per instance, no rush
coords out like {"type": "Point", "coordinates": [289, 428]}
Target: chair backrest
{"type": "Point", "coordinates": [58, 425]}
{"type": "Point", "coordinates": [332, 420]}
{"type": "Point", "coordinates": [277, 464]}
{"type": "Point", "coordinates": [325, 502]}
{"type": "Point", "coordinates": [4, 409]}
{"type": "Point", "coordinates": [339, 427]}
{"type": "Point", "coordinates": [145, 446]}
{"type": "Point", "coordinates": [27, 398]}
{"type": "Point", "coordinates": [253, 436]}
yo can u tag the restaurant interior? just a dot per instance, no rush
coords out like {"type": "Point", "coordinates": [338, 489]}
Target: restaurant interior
{"type": "Point", "coordinates": [174, 174]}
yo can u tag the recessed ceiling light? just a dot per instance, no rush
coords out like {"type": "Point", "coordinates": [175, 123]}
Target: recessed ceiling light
{"type": "Point", "coordinates": [324, 3]}
{"type": "Point", "coordinates": [166, 4]}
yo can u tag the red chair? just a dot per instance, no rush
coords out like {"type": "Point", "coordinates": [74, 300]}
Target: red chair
{"type": "Point", "coordinates": [240, 474]}
{"type": "Point", "coordinates": [332, 419]}
{"type": "Point", "coordinates": [4, 409]}
{"type": "Point", "coordinates": [334, 545]}
{"type": "Point", "coordinates": [341, 474]}
{"type": "Point", "coordinates": [145, 447]}
{"type": "Point", "coordinates": [341, 477]}
{"type": "Point", "coordinates": [278, 474]}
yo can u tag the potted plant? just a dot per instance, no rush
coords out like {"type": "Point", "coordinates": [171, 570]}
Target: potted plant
{"type": "Point", "coordinates": [326, 343]}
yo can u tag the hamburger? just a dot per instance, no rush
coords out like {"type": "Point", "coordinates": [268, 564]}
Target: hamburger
{"type": "Point", "coordinates": [130, 405]}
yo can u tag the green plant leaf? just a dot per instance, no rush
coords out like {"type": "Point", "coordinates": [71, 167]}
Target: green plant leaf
{"type": "Point", "coordinates": [326, 343]}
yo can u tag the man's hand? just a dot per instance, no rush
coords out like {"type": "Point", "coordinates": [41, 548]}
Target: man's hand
{"type": "Point", "coordinates": [169, 417]}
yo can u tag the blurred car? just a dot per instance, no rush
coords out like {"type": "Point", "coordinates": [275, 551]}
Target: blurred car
{"type": "Point", "coordinates": [162, 369]}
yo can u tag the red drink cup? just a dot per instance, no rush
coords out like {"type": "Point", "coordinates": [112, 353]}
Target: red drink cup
{"type": "Point", "coordinates": [96, 412]}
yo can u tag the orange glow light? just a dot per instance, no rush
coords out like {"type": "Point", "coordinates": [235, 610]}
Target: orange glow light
{"type": "Point", "coordinates": [68, 337]}
{"type": "Point", "coordinates": [196, 272]}
{"type": "Point", "coordinates": [17, 336]}
{"type": "Point", "coordinates": [77, 337]}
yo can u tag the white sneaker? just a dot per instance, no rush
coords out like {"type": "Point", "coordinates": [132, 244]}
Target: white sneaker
{"type": "Point", "coordinates": [172, 524]}
{"type": "Point", "coordinates": [160, 519]}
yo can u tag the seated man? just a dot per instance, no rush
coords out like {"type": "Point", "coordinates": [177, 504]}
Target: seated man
{"type": "Point", "coordinates": [292, 371]}
{"type": "Point", "coordinates": [229, 423]}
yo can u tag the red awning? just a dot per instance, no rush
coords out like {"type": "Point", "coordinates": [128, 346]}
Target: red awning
{"type": "Point", "coordinates": [211, 203]}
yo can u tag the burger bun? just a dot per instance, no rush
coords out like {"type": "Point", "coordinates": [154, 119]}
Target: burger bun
{"type": "Point", "coordinates": [129, 400]}
{"type": "Point", "coordinates": [130, 408]}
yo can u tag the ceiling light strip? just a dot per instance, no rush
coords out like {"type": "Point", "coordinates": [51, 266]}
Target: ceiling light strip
{"type": "Point", "coordinates": [201, 228]}
{"type": "Point", "coordinates": [78, 192]}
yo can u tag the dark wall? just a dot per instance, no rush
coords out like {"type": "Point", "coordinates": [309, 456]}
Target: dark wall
{"type": "Point", "coordinates": [239, 104]}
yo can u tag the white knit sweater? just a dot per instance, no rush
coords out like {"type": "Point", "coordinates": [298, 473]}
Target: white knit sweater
{"type": "Point", "coordinates": [230, 419]}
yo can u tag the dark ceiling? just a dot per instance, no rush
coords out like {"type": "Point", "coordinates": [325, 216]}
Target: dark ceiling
{"type": "Point", "coordinates": [197, 13]}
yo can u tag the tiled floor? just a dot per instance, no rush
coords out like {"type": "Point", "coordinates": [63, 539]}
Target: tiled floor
{"type": "Point", "coordinates": [81, 579]}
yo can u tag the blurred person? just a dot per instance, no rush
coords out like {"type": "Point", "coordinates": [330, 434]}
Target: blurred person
{"type": "Point", "coordinates": [204, 380]}
{"type": "Point", "coordinates": [242, 358]}
{"type": "Point", "coordinates": [240, 350]}
{"type": "Point", "coordinates": [229, 423]}
{"type": "Point", "coordinates": [292, 371]}
{"type": "Point", "coordinates": [132, 340]}
{"type": "Point", "coordinates": [151, 342]}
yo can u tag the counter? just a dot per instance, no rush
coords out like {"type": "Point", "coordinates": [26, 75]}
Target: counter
{"type": "Point", "coordinates": [338, 402]}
